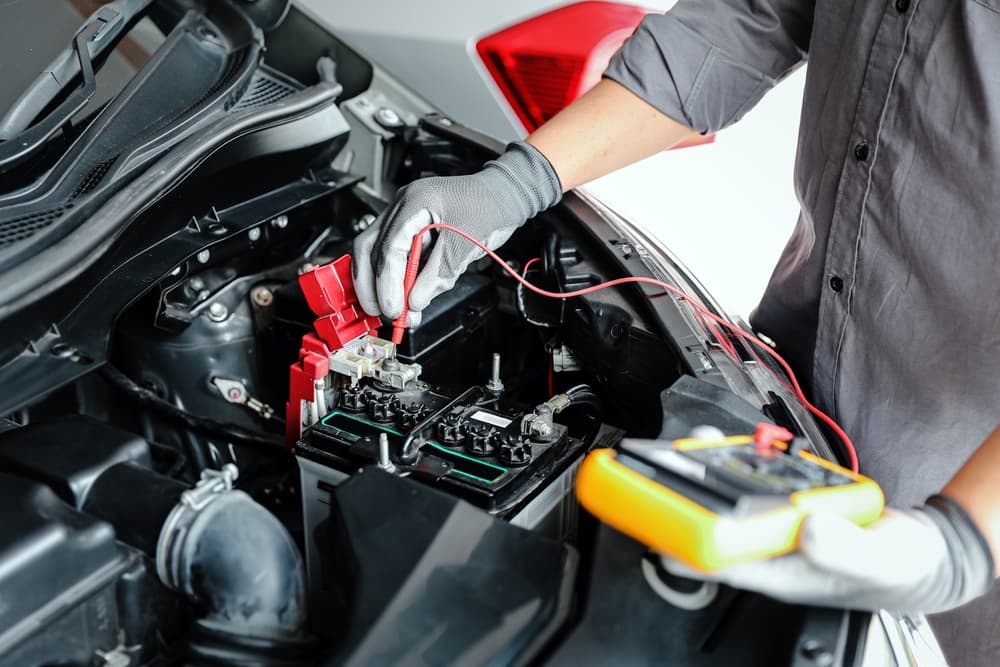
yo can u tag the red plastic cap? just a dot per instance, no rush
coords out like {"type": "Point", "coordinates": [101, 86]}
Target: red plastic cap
{"type": "Point", "coordinates": [767, 434]}
{"type": "Point", "coordinates": [329, 288]}
{"type": "Point", "coordinates": [329, 291]}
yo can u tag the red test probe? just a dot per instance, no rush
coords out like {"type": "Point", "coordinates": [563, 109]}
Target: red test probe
{"type": "Point", "coordinates": [410, 277]}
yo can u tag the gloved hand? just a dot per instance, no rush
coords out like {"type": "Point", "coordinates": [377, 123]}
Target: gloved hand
{"type": "Point", "coordinates": [924, 560]}
{"type": "Point", "coordinates": [489, 205]}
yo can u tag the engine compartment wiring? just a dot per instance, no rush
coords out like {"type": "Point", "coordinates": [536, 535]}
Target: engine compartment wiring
{"type": "Point", "coordinates": [414, 260]}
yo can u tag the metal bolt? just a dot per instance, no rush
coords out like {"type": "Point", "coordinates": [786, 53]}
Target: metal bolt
{"type": "Point", "coordinates": [218, 312]}
{"type": "Point", "coordinates": [113, 658]}
{"type": "Point", "coordinates": [495, 384]}
{"type": "Point", "coordinates": [390, 364]}
{"type": "Point", "coordinates": [196, 284]}
{"type": "Point", "coordinates": [262, 296]}
{"type": "Point", "coordinates": [280, 222]}
{"type": "Point", "coordinates": [817, 653]}
{"type": "Point", "coordinates": [306, 268]}
{"type": "Point", "coordinates": [204, 256]}
{"type": "Point", "coordinates": [176, 271]}
{"type": "Point", "coordinates": [384, 462]}
{"type": "Point", "coordinates": [62, 350]}
{"type": "Point", "coordinates": [230, 473]}
{"type": "Point", "coordinates": [388, 118]}
{"type": "Point", "coordinates": [364, 222]}
{"type": "Point", "coordinates": [254, 234]}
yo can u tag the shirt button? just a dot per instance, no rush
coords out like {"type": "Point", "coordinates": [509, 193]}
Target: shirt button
{"type": "Point", "coordinates": [836, 283]}
{"type": "Point", "coordinates": [861, 151]}
{"type": "Point", "coordinates": [902, 6]}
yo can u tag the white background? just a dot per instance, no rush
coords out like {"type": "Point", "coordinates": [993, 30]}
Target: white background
{"type": "Point", "coordinates": [724, 209]}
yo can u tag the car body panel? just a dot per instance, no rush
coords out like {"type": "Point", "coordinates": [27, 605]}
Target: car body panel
{"type": "Point", "coordinates": [432, 45]}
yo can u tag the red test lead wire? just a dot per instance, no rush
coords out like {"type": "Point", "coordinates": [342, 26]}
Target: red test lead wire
{"type": "Point", "coordinates": [412, 267]}
{"type": "Point", "coordinates": [410, 277]}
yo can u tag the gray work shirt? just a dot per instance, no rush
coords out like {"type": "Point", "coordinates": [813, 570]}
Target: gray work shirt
{"type": "Point", "coordinates": [886, 296]}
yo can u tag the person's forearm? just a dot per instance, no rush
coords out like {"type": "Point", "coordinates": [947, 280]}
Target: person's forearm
{"type": "Point", "coordinates": [975, 488]}
{"type": "Point", "coordinates": [606, 129]}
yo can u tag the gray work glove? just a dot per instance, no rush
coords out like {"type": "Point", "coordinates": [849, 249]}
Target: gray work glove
{"type": "Point", "coordinates": [489, 205]}
{"type": "Point", "coordinates": [925, 560]}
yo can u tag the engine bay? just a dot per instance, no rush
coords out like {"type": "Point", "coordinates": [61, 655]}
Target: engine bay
{"type": "Point", "coordinates": [210, 454]}
{"type": "Point", "coordinates": [244, 380]}
{"type": "Point", "coordinates": [485, 402]}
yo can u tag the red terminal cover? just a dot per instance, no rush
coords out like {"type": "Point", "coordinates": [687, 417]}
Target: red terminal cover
{"type": "Point", "coordinates": [329, 291]}
{"type": "Point", "coordinates": [313, 364]}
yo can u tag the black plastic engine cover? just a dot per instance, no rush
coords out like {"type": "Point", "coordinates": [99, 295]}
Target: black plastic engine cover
{"type": "Point", "coordinates": [624, 622]}
{"type": "Point", "coordinates": [418, 577]}
{"type": "Point", "coordinates": [69, 453]}
{"type": "Point", "coordinates": [58, 570]}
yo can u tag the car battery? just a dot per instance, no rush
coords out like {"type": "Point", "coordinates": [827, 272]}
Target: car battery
{"type": "Point", "coordinates": [473, 449]}
{"type": "Point", "coordinates": [451, 319]}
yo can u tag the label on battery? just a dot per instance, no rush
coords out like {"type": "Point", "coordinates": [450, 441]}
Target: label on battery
{"type": "Point", "coordinates": [492, 419]}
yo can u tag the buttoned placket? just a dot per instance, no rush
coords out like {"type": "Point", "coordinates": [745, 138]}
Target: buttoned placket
{"type": "Point", "coordinates": [855, 197]}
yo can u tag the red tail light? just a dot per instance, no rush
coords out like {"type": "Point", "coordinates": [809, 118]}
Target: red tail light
{"type": "Point", "coordinates": [546, 62]}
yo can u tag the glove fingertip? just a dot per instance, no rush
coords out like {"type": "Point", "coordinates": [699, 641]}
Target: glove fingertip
{"type": "Point", "coordinates": [389, 286]}
{"type": "Point", "coordinates": [389, 308]}
{"type": "Point", "coordinates": [420, 296]}
{"type": "Point", "coordinates": [368, 304]}
{"type": "Point", "coordinates": [364, 280]}
{"type": "Point", "coordinates": [428, 284]}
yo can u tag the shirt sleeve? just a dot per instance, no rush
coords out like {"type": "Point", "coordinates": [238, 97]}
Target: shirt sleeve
{"type": "Point", "coordinates": [705, 63]}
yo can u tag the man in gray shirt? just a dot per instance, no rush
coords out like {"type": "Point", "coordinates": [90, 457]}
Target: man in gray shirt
{"type": "Point", "coordinates": [882, 298]}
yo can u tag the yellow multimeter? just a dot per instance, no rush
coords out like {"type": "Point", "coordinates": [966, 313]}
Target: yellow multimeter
{"type": "Point", "coordinates": [718, 502]}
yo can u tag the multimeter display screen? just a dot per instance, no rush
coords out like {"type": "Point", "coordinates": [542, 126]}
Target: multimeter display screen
{"type": "Point", "coordinates": [770, 473]}
{"type": "Point", "coordinates": [728, 473]}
